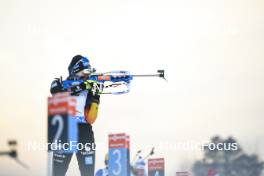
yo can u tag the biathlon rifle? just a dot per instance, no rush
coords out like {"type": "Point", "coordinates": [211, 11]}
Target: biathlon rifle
{"type": "Point", "coordinates": [114, 82]}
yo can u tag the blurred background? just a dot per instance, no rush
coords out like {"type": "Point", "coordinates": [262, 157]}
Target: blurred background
{"type": "Point", "coordinates": [212, 52]}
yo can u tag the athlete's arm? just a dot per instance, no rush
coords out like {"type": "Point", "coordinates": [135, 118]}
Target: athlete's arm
{"type": "Point", "coordinates": [91, 110]}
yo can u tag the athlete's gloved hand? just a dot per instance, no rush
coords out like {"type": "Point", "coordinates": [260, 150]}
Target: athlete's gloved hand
{"type": "Point", "coordinates": [56, 86]}
{"type": "Point", "coordinates": [87, 85]}
{"type": "Point", "coordinates": [92, 86]}
{"type": "Point", "coordinates": [75, 90]}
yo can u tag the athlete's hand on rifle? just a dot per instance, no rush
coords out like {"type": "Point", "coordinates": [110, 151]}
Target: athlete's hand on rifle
{"type": "Point", "coordinates": [75, 90]}
{"type": "Point", "coordinates": [92, 86]}
{"type": "Point", "coordinates": [89, 85]}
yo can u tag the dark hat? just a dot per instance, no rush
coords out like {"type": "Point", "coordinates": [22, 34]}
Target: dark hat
{"type": "Point", "coordinates": [77, 64]}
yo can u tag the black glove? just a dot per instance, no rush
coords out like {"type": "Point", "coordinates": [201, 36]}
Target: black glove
{"type": "Point", "coordinates": [86, 85]}
{"type": "Point", "coordinates": [56, 86]}
{"type": "Point", "coordinates": [92, 86]}
{"type": "Point", "coordinates": [75, 90]}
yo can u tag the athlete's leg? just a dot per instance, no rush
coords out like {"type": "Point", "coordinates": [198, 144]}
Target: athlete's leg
{"type": "Point", "coordinates": [86, 156]}
{"type": "Point", "coordinates": [60, 163]}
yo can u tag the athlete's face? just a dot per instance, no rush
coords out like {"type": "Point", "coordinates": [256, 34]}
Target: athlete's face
{"type": "Point", "coordinates": [84, 74]}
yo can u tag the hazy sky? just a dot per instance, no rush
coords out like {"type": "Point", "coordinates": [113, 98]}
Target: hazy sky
{"type": "Point", "coordinates": [212, 52]}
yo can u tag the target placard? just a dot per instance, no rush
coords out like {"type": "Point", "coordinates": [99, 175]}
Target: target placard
{"type": "Point", "coordinates": [62, 127]}
{"type": "Point", "coordinates": [156, 167]}
{"type": "Point", "coordinates": [119, 162]}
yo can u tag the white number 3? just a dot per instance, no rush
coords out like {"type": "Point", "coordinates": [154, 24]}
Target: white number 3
{"type": "Point", "coordinates": [118, 170]}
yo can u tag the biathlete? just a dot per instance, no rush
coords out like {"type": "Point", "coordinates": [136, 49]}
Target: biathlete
{"type": "Point", "coordinates": [86, 113]}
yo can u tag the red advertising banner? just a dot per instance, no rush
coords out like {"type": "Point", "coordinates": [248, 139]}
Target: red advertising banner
{"type": "Point", "coordinates": [156, 164]}
{"type": "Point", "coordinates": [62, 103]}
{"type": "Point", "coordinates": [120, 140]}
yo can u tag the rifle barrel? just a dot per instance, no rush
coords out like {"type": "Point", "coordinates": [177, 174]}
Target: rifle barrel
{"type": "Point", "coordinates": [146, 75]}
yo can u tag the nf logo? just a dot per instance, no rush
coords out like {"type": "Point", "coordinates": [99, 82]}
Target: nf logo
{"type": "Point", "coordinates": [88, 160]}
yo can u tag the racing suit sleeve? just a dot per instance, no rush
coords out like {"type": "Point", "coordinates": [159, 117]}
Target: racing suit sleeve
{"type": "Point", "coordinates": [91, 110]}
